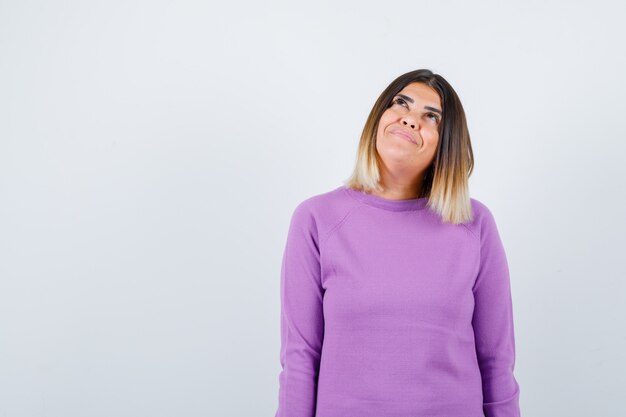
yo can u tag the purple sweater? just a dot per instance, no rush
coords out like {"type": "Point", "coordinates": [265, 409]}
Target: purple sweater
{"type": "Point", "coordinates": [388, 312]}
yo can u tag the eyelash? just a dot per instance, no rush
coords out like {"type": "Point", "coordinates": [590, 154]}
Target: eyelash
{"type": "Point", "coordinates": [429, 114]}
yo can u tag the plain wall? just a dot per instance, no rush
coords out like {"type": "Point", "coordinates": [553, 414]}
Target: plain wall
{"type": "Point", "coordinates": [152, 152]}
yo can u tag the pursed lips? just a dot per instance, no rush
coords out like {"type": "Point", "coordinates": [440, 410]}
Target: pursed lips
{"type": "Point", "coordinates": [404, 134]}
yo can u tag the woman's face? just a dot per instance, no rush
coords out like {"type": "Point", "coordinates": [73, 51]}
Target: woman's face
{"type": "Point", "coordinates": [408, 131]}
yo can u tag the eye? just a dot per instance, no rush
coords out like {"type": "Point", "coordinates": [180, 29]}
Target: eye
{"type": "Point", "coordinates": [436, 118]}
{"type": "Point", "coordinates": [399, 101]}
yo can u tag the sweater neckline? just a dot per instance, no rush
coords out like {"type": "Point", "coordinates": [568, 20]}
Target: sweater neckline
{"type": "Point", "coordinates": [384, 203]}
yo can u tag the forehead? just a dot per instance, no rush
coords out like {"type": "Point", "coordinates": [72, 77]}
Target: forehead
{"type": "Point", "coordinates": [422, 93]}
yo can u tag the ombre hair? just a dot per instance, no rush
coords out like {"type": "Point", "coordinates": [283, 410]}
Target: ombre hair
{"type": "Point", "coordinates": [445, 183]}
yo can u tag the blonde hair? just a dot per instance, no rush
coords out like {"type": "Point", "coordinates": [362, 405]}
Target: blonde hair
{"type": "Point", "coordinates": [445, 182]}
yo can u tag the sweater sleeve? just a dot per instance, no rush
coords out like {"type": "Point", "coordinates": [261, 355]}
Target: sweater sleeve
{"type": "Point", "coordinates": [493, 325]}
{"type": "Point", "coordinates": [302, 321]}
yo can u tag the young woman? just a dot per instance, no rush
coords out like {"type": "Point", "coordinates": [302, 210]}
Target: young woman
{"type": "Point", "coordinates": [395, 291]}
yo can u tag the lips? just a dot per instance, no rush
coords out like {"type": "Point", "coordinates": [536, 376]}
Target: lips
{"type": "Point", "coordinates": [404, 134]}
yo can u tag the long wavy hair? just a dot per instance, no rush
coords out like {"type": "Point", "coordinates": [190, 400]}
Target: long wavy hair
{"type": "Point", "coordinates": [446, 180]}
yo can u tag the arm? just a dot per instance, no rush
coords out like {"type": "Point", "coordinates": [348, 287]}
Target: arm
{"type": "Point", "coordinates": [302, 321]}
{"type": "Point", "coordinates": [493, 325]}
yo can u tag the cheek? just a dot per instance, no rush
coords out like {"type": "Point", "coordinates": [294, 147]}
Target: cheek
{"type": "Point", "coordinates": [433, 135]}
{"type": "Point", "coordinates": [431, 139]}
{"type": "Point", "coordinates": [388, 116]}
{"type": "Point", "coordinates": [385, 119]}
{"type": "Point", "coordinates": [434, 144]}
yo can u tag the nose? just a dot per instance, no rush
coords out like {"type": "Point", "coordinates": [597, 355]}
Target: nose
{"type": "Point", "coordinates": [412, 124]}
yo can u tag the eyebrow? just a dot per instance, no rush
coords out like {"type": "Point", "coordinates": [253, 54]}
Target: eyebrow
{"type": "Point", "coordinates": [410, 100]}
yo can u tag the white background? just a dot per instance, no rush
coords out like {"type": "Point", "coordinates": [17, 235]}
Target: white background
{"type": "Point", "coordinates": [152, 152]}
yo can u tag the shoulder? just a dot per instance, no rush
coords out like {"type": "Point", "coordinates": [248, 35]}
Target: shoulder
{"type": "Point", "coordinates": [323, 211]}
{"type": "Point", "coordinates": [483, 220]}
{"type": "Point", "coordinates": [479, 208]}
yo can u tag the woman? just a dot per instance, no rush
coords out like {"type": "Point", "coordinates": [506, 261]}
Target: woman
{"type": "Point", "coordinates": [395, 291]}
